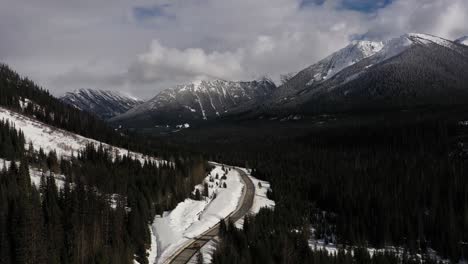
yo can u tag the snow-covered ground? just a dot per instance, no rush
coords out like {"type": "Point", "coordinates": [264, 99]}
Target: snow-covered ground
{"type": "Point", "coordinates": [332, 249]}
{"type": "Point", "coordinates": [207, 252]}
{"type": "Point", "coordinates": [35, 174]}
{"type": "Point", "coordinates": [260, 201]}
{"type": "Point", "coordinates": [191, 218]}
{"type": "Point", "coordinates": [50, 138]}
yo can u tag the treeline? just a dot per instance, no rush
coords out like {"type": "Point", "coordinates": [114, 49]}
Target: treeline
{"type": "Point", "coordinates": [373, 185]}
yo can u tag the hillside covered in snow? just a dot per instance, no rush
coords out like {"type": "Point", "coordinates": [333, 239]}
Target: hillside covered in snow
{"type": "Point", "coordinates": [64, 143]}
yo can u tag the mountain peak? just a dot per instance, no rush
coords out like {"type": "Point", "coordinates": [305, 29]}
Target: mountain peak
{"type": "Point", "coordinates": [196, 101]}
{"type": "Point", "coordinates": [102, 103]}
{"type": "Point", "coordinates": [351, 54]}
{"type": "Point", "coordinates": [399, 44]}
{"type": "Point", "coordinates": [339, 60]}
{"type": "Point", "coordinates": [463, 40]}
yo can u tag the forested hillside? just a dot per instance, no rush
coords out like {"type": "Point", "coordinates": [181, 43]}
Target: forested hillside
{"type": "Point", "coordinates": [21, 94]}
{"type": "Point", "coordinates": [24, 96]}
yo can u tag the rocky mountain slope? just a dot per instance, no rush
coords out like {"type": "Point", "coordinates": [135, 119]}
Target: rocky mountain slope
{"type": "Point", "coordinates": [105, 104]}
{"type": "Point", "coordinates": [195, 102]}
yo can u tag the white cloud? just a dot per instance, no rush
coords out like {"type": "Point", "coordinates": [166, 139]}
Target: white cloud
{"type": "Point", "coordinates": [100, 44]}
{"type": "Point", "coordinates": [170, 63]}
{"type": "Point", "coordinates": [443, 18]}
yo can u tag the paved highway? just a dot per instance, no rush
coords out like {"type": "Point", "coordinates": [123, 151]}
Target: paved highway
{"type": "Point", "coordinates": [183, 255]}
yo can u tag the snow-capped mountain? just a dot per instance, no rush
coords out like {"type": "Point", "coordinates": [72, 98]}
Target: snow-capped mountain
{"type": "Point", "coordinates": [462, 40]}
{"type": "Point", "coordinates": [198, 101]}
{"type": "Point", "coordinates": [105, 104]}
{"type": "Point", "coordinates": [351, 54]}
{"type": "Point", "coordinates": [329, 67]}
{"type": "Point", "coordinates": [408, 71]}
{"type": "Point", "coordinates": [413, 69]}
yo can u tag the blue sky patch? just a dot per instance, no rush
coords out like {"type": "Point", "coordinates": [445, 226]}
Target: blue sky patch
{"type": "Point", "coordinates": [143, 13]}
{"type": "Point", "coordinates": [365, 5]}
{"type": "Point", "coordinates": [357, 5]}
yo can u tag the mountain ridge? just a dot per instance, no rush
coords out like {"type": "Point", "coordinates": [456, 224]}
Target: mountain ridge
{"type": "Point", "coordinates": [103, 103]}
{"type": "Point", "coordinates": [195, 102]}
{"type": "Point", "coordinates": [300, 96]}
{"type": "Point", "coordinates": [342, 81]}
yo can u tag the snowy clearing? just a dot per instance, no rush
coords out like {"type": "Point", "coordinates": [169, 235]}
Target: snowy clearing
{"type": "Point", "coordinates": [260, 201]}
{"type": "Point", "coordinates": [191, 218]}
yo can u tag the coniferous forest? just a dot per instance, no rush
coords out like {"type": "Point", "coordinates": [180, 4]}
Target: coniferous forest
{"type": "Point", "coordinates": [234, 132]}
{"type": "Point", "coordinates": [99, 215]}
{"type": "Point", "coordinates": [381, 184]}
{"type": "Point", "coordinates": [93, 207]}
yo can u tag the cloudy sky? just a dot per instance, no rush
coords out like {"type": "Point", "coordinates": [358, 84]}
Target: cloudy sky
{"type": "Point", "coordinates": [143, 46]}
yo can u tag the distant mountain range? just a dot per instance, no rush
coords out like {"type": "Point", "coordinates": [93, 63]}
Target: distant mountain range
{"type": "Point", "coordinates": [412, 70]}
{"type": "Point", "coordinates": [105, 104]}
{"type": "Point", "coordinates": [195, 102]}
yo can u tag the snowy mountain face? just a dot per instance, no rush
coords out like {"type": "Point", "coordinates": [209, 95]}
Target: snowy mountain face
{"type": "Point", "coordinates": [415, 68]}
{"type": "Point", "coordinates": [105, 104]}
{"type": "Point", "coordinates": [328, 67]}
{"type": "Point", "coordinates": [462, 40]}
{"type": "Point", "coordinates": [346, 57]}
{"type": "Point", "coordinates": [202, 100]}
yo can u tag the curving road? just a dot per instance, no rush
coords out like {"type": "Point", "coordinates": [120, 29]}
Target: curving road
{"type": "Point", "coordinates": [183, 255]}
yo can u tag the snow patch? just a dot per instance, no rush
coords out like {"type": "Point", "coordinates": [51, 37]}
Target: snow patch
{"type": "Point", "coordinates": [260, 201]}
{"type": "Point", "coordinates": [186, 125]}
{"type": "Point", "coordinates": [191, 218]}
